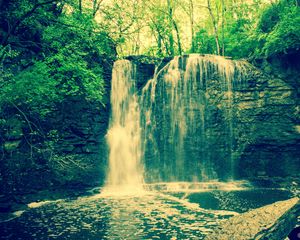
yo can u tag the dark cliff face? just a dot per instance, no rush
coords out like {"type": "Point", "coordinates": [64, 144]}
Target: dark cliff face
{"type": "Point", "coordinates": [268, 117]}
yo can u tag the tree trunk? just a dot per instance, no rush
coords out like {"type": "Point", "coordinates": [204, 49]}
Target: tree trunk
{"type": "Point", "coordinates": [171, 38]}
{"type": "Point", "coordinates": [96, 6]}
{"type": "Point", "coordinates": [170, 48]}
{"type": "Point", "coordinates": [191, 15]}
{"type": "Point", "coordinates": [159, 45]}
{"type": "Point", "coordinates": [80, 6]}
{"type": "Point", "coordinates": [174, 25]}
{"type": "Point", "coordinates": [178, 37]}
{"type": "Point", "coordinates": [223, 22]}
{"type": "Point", "coordinates": [214, 26]}
{"type": "Point", "coordinates": [159, 39]}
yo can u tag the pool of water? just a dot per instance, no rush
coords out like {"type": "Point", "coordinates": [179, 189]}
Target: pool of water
{"type": "Point", "coordinates": [238, 201]}
{"type": "Point", "coordinates": [152, 215]}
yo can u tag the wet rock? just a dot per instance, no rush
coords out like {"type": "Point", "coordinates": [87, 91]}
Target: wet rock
{"type": "Point", "coordinates": [145, 68]}
{"type": "Point", "coordinates": [265, 139]}
{"type": "Point", "coordinates": [271, 222]}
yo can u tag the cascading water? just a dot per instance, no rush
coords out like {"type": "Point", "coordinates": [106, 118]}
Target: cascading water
{"type": "Point", "coordinates": [179, 107]}
{"type": "Point", "coordinates": [181, 124]}
{"type": "Point", "coordinates": [124, 134]}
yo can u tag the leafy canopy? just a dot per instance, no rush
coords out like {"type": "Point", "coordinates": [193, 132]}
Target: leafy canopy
{"type": "Point", "coordinates": [62, 61]}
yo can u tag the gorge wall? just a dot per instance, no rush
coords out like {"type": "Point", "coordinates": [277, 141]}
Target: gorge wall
{"type": "Point", "coordinates": [265, 133]}
{"type": "Point", "coordinates": [262, 141]}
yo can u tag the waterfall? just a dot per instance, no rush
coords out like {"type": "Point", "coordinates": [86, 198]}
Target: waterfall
{"type": "Point", "coordinates": [124, 135]}
{"type": "Point", "coordinates": [180, 127]}
{"type": "Point", "coordinates": [178, 107]}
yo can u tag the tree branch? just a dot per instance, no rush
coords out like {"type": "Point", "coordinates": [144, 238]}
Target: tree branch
{"type": "Point", "coordinates": [11, 30]}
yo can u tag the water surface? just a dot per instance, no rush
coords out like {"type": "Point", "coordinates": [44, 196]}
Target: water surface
{"type": "Point", "coordinates": [154, 215]}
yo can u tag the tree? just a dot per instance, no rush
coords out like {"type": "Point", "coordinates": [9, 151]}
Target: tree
{"type": "Point", "coordinates": [215, 26]}
{"type": "Point", "coordinates": [13, 21]}
{"type": "Point", "coordinates": [51, 57]}
{"type": "Point", "coordinates": [175, 26]}
{"type": "Point", "coordinates": [121, 20]}
{"type": "Point", "coordinates": [96, 6]}
{"type": "Point", "coordinates": [191, 15]}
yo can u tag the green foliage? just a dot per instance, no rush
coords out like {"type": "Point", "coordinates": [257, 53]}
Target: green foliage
{"type": "Point", "coordinates": [73, 77]}
{"type": "Point", "coordinates": [276, 31]}
{"type": "Point", "coordinates": [269, 18]}
{"type": "Point", "coordinates": [67, 64]}
{"type": "Point", "coordinates": [162, 29]}
{"type": "Point", "coordinates": [32, 87]}
{"type": "Point", "coordinates": [204, 43]}
{"type": "Point", "coordinates": [237, 41]}
{"type": "Point", "coordinates": [284, 36]}
{"type": "Point", "coordinates": [248, 33]}
{"type": "Point", "coordinates": [49, 58]}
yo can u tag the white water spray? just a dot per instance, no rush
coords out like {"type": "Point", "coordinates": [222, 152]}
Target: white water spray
{"type": "Point", "coordinates": [124, 135]}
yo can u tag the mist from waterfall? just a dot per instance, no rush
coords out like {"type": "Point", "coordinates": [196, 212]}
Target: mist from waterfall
{"type": "Point", "coordinates": [125, 172]}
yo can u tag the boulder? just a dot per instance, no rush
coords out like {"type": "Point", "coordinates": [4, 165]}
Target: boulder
{"type": "Point", "coordinates": [271, 222]}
